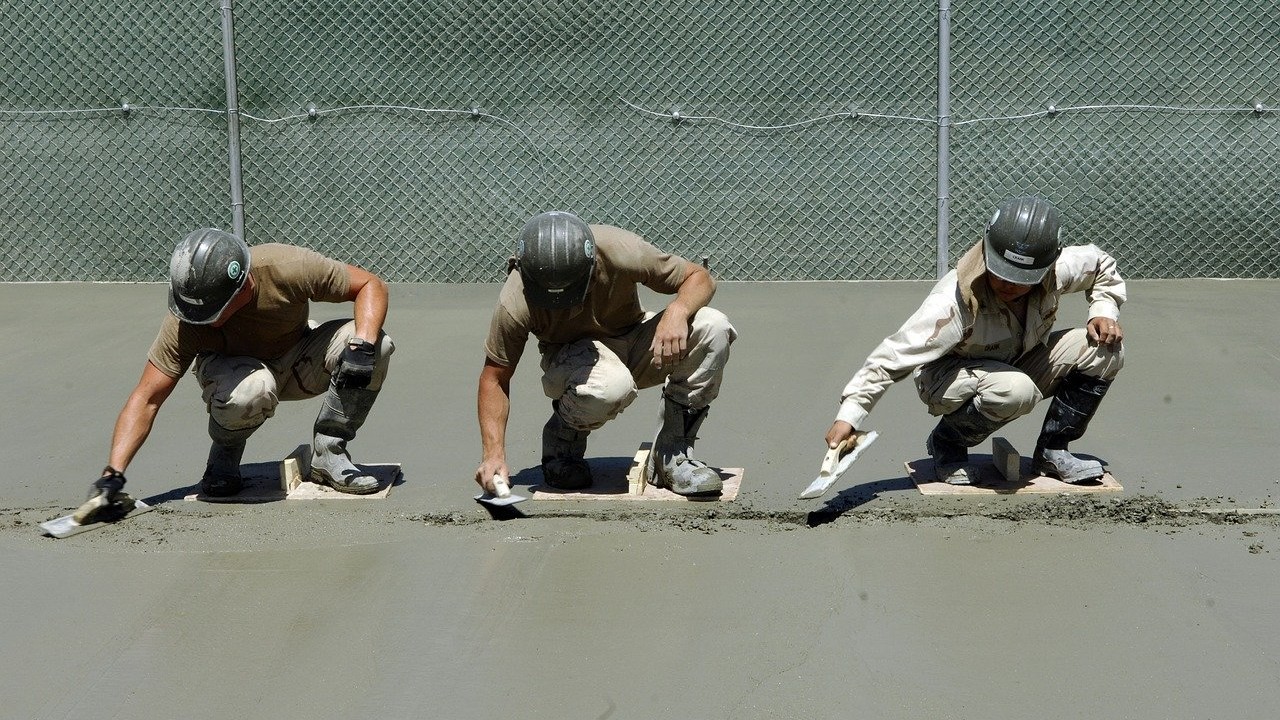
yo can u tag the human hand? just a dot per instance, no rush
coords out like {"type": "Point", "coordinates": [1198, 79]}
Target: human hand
{"type": "Point", "coordinates": [839, 432]}
{"type": "Point", "coordinates": [107, 499]}
{"type": "Point", "coordinates": [355, 366]}
{"type": "Point", "coordinates": [491, 471]}
{"type": "Point", "coordinates": [1104, 331]}
{"type": "Point", "coordinates": [670, 339]}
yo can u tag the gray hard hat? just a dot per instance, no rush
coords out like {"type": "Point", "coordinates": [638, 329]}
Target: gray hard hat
{"type": "Point", "coordinates": [1022, 240]}
{"type": "Point", "coordinates": [207, 269]}
{"type": "Point", "coordinates": [556, 256]}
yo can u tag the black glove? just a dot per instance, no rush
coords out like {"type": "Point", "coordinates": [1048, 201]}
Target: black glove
{"type": "Point", "coordinates": [355, 367]}
{"type": "Point", "coordinates": [107, 499]}
{"type": "Point", "coordinates": [109, 485]}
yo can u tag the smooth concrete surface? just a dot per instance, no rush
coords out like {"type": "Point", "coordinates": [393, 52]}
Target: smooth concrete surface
{"type": "Point", "coordinates": [874, 602]}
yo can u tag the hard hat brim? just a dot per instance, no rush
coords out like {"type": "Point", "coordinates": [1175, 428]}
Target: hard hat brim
{"type": "Point", "coordinates": [556, 298]}
{"type": "Point", "coordinates": [1008, 271]}
{"type": "Point", "coordinates": [197, 314]}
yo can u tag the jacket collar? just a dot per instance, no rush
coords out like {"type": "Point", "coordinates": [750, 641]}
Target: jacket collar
{"type": "Point", "coordinates": [971, 281]}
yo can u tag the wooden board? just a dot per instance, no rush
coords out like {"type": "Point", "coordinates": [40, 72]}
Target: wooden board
{"type": "Point", "coordinates": [992, 482]}
{"type": "Point", "coordinates": [1006, 459]}
{"type": "Point", "coordinates": [294, 467]}
{"type": "Point", "coordinates": [614, 482]}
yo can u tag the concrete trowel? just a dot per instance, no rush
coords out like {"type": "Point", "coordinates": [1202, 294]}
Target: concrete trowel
{"type": "Point", "coordinates": [837, 460]}
{"type": "Point", "coordinates": [503, 495]}
{"type": "Point", "coordinates": [93, 515]}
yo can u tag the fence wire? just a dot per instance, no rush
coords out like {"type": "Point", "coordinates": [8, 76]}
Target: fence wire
{"type": "Point", "coordinates": [783, 142]}
{"type": "Point", "coordinates": [1152, 149]}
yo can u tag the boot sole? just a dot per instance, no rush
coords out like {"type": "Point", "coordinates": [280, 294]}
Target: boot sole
{"type": "Point", "coordinates": [696, 493]}
{"type": "Point", "coordinates": [1053, 473]}
{"type": "Point", "coordinates": [555, 480]}
{"type": "Point", "coordinates": [966, 479]}
{"type": "Point", "coordinates": [953, 479]}
{"type": "Point", "coordinates": [322, 478]}
{"type": "Point", "coordinates": [221, 488]}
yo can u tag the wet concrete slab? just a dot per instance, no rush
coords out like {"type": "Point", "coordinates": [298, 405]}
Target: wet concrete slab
{"type": "Point", "coordinates": [1188, 417]}
{"type": "Point", "coordinates": [874, 601]}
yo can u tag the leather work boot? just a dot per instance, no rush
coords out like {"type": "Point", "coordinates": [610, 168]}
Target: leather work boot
{"type": "Point", "coordinates": [671, 461]}
{"type": "Point", "coordinates": [1067, 418]}
{"type": "Point", "coordinates": [563, 449]}
{"type": "Point", "coordinates": [343, 412]}
{"type": "Point", "coordinates": [222, 470]}
{"type": "Point", "coordinates": [951, 439]}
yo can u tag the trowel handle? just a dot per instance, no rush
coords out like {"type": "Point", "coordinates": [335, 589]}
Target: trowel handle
{"type": "Point", "coordinates": [500, 486]}
{"type": "Point", "coordinates": [829, 461]}
{"type": "Point", "coordinates": [834, 454]}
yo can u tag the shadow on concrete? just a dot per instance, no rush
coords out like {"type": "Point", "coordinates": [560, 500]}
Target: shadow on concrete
{"type": "Point", "coordinates": [608, 474]}
{"type": "Point", "coordinates": [853, 497]}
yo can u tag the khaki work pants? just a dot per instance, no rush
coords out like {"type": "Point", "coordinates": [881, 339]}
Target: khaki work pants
{"type": "Point", "coordinates": [1001, 391]}
{"type": "Point", "coordinates": [595, 380]}
{"type": "Point", "coordinates": [242, 392]}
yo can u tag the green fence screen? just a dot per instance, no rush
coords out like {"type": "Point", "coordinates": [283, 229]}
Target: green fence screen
{"type": "Point", "coordinates": [783, 141]}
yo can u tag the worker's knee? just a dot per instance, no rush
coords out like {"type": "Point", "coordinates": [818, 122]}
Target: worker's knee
{"type": "Point", "coordinates": [591, 404]}
{"type": "Point", "coordinates": [1007, 395]}
{"type": "Point", "coordinates": [382, 361]}
{"type": "Point", "coordinates": [239, 393]}
{"type": "Point", "coordinates": [711, 327]}
{"type": "Point", "coordinates": [1102, 361]}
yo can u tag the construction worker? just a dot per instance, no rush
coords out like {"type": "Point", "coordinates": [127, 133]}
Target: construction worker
{"type": "Point", "coordinates": [982, 349]}
{"type": "Point", "coordinates": [240, 316]}
{"type": "Point", "coordinates": [574, 287]}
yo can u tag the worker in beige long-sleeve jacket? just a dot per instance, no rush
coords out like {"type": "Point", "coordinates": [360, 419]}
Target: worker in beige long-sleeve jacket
{"type": "Point", "coordinates": [983, 351]}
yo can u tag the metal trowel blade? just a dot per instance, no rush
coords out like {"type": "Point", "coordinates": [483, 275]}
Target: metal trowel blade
{"type": "Point", "coordinates": [66, 526]}
{"type": "Point", "coordinates": [495, 501]}
{"type": "Point", "coordinates": [835, 464]}
{"type": "Point", "coordinates": [504, 497]}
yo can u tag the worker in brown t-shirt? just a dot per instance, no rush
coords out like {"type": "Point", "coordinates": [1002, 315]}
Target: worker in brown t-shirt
{"type": "Point", "coordinates": [240, 316]}
{"type": "Point", "coordinates": [576, 292]}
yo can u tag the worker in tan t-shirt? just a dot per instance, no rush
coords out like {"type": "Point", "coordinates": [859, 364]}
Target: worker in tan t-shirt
{"type": "Point", "coordinates": [239, 315]}
{"type": "Point", "coordinates": [576, 292]}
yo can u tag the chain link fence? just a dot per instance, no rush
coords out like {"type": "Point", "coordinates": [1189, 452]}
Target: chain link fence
{"type": "Point", "coordinates": [1154, 151]}
{"type": "Point", "coordinates": [782, 141]}
{"type": "Point", "coordinates": [93, 192]}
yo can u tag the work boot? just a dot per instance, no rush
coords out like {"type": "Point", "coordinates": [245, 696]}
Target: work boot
{"type": "Point", "coordinates": [343, 412]}
{"type": "Point", "coordinates": [222, 470]}
{"type": "Point", "coordinates": [1067, 418]}
{"type": "Point", "coordinates": [563, 449]}
{"type": "Point", "coordinates": [951, 439]}
{"type": "Point", "coordinates": [671, 461]}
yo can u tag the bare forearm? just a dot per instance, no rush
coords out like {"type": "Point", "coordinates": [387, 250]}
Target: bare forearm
{"type": "Point", "coordinates": [134, 423]}
{"type": "Point", "coordinates": [694, 294]}
{"type": "Point", "coordinates": [371, 309]}
{"type": "Point", "coordinates": [494, 406]}
{"type": "Point", "coordinates": [132, 428]}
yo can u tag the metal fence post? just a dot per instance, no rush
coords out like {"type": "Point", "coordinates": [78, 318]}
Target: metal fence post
{"type": "Point", "coordinates": [944, 135]}
{"type": "Point", "coordinates": [233, 119]}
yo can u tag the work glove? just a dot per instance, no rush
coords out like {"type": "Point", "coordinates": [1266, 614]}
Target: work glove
{"type": "Point", "coordinates": [355, 367]}
{"type": "Point", "coordinates": [107, 499]}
